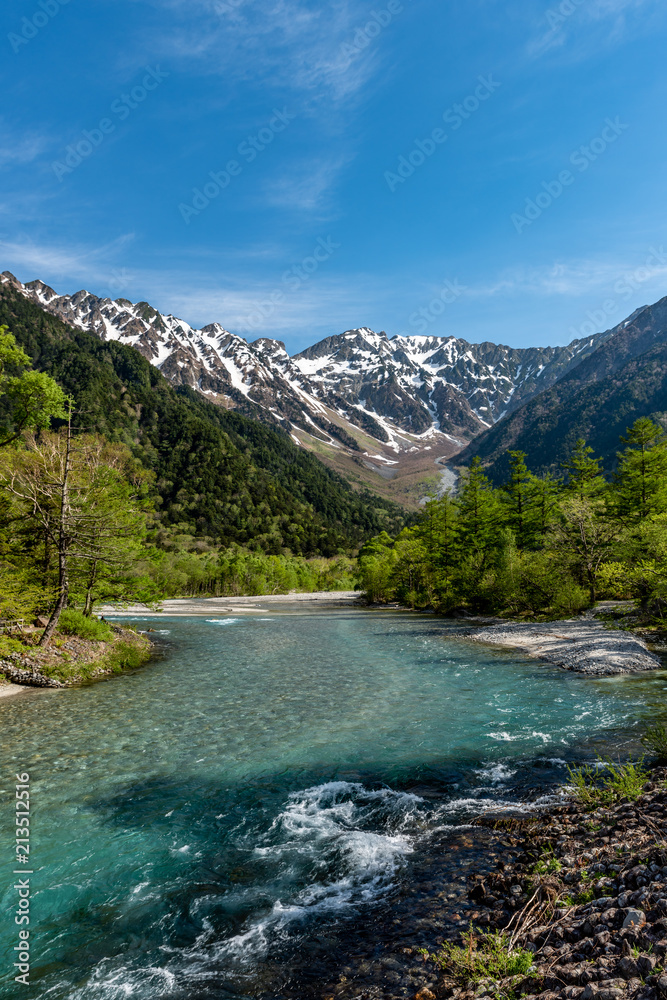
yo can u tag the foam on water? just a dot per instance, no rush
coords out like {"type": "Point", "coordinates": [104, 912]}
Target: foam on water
{"type": "Point", "coordinates": [353, 839]}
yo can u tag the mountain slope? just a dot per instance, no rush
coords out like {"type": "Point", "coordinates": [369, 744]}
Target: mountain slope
{"type": "Point", "coordinates": [380, 410]}
{"type": "Point", "coordinates": [218, 474]}
{"type": "Point", "coordinates": [625, 378]}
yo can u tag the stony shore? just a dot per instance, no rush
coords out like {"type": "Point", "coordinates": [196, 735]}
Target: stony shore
{"type": "Point", "coordinates": [267, 603]}
{"type": "Point", "coordinates": [584, 646]}
{"type": "Point", "coordinates": [583, 890]}
{"type": "Point", "coordinates": [587, 894]}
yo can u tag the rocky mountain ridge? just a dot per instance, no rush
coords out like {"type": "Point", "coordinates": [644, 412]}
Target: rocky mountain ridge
{"type": "Point", "coordinates": [361, 398]}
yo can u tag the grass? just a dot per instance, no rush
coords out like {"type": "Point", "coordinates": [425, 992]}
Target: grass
{"type": "Point", "coordinates": [655, 740]}
{"type": "Point", "coordinates": [75, 623]}
{"type": "Point", "coordinates": [595, 786]}
{"type": "Point", "coordinates": [10, 645]}
{"type": "Point", "coordinates": [587, 896]}
{"type": "Point", "coordinates": [483, 956]}
{"type": "Point", "coordinates": [548, 864]}
{"type": "Point", "coordinates": [123, 655]}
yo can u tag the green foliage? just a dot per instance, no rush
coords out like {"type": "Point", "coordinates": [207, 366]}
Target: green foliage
{"type": "Point", "coordinates": [641, 479]}
{"type": "Point", "coordinates": [236, 571]}
{"type": "Point", "coordinates": [482, 957]}
{"type": "Point", "coordinates": [602, 786]}
{"type": "Point", "coordinates": [536, 547]}
{"type": "Point", "coordinates": [28, 399]}
{"type": "Point", "coordinates": [20, 596]}
{"type": "Point", "coordinates": [548, 863]}
{"type": "Point", "coordinates": [584, 473]}
{"type": "Point", "coordinates": [218, 475]}
{"type": "Point", "coordinates": [655, 740]}
{"type": "Point", "coordinates": [580, 898]}
{"type": "Point", "coordinates": [121, 656]}
{"type": "Point", "coordinates": [75, 623]}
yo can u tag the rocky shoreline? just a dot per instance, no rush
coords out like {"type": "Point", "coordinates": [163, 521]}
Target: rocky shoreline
{"type": "Point", "coordinates": [588, 896]}
{"type": "Point", "coordinates": [584, 646]}
{"type": "Point", "coordinates": [71, 661]}
{"type": "Point", "coordinates": [581, 891]}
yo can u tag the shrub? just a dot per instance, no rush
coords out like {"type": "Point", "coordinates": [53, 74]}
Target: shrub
{"type": "Point", "coordinates": [548, 863]}
{"type": "Point", "coordinates": [591, 786]}
{"type": "Point", "coordinates": [655, 740]}
{"type": "Point", "coordinates": [483, 956]}
{"type": "Point", "coordinates": [75, 623]}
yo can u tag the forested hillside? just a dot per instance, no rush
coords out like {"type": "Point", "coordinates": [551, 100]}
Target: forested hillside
{"type": "Point", "coordinates": [218, 475]}
{"type": "Point", "coordinates": [623, 380]}
{"type": "Point", "coordinates": [537, 545]}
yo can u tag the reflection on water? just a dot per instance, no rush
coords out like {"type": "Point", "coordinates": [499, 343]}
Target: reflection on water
{"type": "Point", "coordinates": [197, 821]}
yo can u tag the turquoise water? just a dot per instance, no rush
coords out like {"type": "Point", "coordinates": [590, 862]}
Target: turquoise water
{"type": "Point", "coordinates": [267, 777]}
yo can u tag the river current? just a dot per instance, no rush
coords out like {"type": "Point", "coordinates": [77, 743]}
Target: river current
{"type": "Point", "coordinates": [264, 783]}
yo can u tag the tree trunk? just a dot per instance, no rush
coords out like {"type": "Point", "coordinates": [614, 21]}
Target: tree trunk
{"type": "Point", "coordinates": [88, 609]}
{"type": "Point", "coordinates": [63, 545]}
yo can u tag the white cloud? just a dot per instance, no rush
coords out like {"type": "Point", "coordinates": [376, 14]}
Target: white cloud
{"type": "Point", "coordinates": [93, 265]}
{"type": "Point", "coordinates": [580, 28]}
{"type": "Point", "coordinates": [305, 186]}
{"type": "Point", "coordinates": [575, 278]}
{"type": "Point", "coordinates": [20, 150]}
{"type": "Point", "coordinates": [288, 45]}
{"type": "Point", "coordinates": [323, 303]}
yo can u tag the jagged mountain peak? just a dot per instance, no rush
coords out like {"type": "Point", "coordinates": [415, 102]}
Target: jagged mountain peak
{"type": "Point", "coordinates": [404, 391]}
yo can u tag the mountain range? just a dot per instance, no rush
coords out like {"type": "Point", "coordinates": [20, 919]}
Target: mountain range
{"type": "Point", "coordinates": [387, 411]}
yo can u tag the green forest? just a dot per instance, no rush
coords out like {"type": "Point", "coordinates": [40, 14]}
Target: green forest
{"type": "Point", "coordinates": [116, 486]}
{"type": "Point", "coordinates": [536, 546]}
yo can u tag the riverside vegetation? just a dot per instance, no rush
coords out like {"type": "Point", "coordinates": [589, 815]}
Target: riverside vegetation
{"type": "Point", "coordinates": [115, 487]}
{"type": "Point", "coordinates": [536, 546]}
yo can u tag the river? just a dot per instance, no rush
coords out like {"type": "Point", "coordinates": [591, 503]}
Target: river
{"type": "Point", "coordinates": [199, 824]}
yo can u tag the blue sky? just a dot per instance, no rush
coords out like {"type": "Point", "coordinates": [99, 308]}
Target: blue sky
{"type": "Point", "coordinates": [295, 169]}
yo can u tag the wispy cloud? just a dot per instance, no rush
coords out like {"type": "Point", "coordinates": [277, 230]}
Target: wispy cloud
{"type": "Point", "coordinates": [325, 303]}
{"type": "Point", "coordinates": [21, 149]}
{"type": "Point", "coordinates": [590, 25]}
{"type": "Point", "coordinates": [90, 265]}
{"type": "Point", "coordinates": [574, 278]}
{"type": "Point", "coordinates": [288, 45]}
{"type": "Point", "coordinates": [306, 185]}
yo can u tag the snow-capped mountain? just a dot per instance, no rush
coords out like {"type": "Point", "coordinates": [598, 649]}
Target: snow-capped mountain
{"type": "Point", "coordinates": [386, 387]}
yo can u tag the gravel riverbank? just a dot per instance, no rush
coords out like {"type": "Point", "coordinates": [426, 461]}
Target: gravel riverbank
{"type": "Point", "coordinates": [586, 647]}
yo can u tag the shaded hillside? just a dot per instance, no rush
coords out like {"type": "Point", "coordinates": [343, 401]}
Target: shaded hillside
{"type": "Point", "coordinates": [625, 378]}
{"type": "Point", "coordinates": [218, 474]}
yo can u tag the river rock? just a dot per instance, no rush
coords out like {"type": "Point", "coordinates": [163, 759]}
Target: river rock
{"type": "Point", "coordinates": [634, 918]}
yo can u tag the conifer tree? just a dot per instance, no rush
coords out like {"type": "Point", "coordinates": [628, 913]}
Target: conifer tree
{"type": "Point", "coordinates": [519, 500]}
{"type": "Point", "coordinates": [479, 519]}
{"type": "Point", "coordinates": [584, 474]}
{"type": "Point", "coordinates": [640, 483]}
